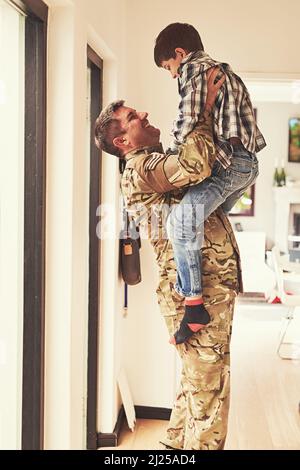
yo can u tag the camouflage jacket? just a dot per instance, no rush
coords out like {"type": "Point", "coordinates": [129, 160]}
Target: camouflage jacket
{"type": "Point", "coordinates": [151, 183]}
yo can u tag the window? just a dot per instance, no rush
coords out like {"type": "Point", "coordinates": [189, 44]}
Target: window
{"type": "Point", "coordinates": [22, 215]}
{"type": "Point", "coordinates": [12, 33]}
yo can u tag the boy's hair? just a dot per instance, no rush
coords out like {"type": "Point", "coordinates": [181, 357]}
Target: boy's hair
{"type": "Point", "coordinates": [107, 127]}
{"type": "Point", "coordinates": [176, 35]}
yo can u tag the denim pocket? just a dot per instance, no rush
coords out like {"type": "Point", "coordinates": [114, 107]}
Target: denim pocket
{"type": "Point", "coordinates": [242, 165]}
{"type": "Point", "coordinates": [218, 169]}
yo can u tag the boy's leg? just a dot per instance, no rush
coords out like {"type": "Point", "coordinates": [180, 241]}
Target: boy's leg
{"type": "Point", "coordinates": [224, 188]}
{"type": "Point", "coordinates": [185, 230]}
{"type": "Point", "coordinates": [233, 198]}
{"type": "Point", "coordinates": [242, 173]}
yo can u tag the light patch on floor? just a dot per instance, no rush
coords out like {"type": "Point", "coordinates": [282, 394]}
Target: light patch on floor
{"type": "Point", "coordinates": [265, 390]}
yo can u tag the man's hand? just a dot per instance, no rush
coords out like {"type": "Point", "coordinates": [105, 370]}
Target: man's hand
{"type": "Point", "coordinates": [212, 87]}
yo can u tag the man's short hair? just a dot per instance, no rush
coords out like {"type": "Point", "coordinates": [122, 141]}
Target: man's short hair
{"type": "Point", "coordinates": [176, 35]}
{"type": "Point", "coordinates": [107, 127]}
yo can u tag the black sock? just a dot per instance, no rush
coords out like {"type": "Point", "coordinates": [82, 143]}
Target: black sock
{"type": "Point", "coordinates": [194, 314]}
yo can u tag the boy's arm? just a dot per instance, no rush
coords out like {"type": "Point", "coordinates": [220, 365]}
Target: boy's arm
{"type": "Point", "coordinates": [193, 91]}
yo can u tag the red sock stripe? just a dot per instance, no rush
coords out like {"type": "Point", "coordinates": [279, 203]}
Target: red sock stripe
{"type": "Point", "coordinates": [193, 301]}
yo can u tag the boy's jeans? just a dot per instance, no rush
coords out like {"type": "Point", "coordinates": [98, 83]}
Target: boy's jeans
{"type": "Point", "coordinates": [185, 224]}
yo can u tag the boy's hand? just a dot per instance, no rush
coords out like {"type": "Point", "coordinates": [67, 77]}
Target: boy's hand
{"type": "Point", "coordinates": [212, 87]}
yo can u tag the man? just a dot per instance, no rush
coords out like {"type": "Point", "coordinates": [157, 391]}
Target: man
{"type": "Point", "coordinates": [150, 182]}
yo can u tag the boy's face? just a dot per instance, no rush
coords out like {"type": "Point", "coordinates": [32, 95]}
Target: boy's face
{"type": "Point", "coordinates": [172, 65]}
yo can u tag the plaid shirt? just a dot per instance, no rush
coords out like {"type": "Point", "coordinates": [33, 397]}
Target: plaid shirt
{"type": "Point", "coordinates": [233, 112]}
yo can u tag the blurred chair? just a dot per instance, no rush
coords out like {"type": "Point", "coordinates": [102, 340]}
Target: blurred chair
{"type": "Point", "coordinates": [290, 301]}
{"type": "Point", "coordinates": [257, 275]}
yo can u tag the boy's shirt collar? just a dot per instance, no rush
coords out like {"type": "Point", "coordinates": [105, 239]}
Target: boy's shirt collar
{"type": "Point", "coordinates": [196, 55]}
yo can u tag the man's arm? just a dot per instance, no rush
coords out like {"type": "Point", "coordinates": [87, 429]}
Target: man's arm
{"type": "Point", "coordinates": [190, 166]}
{"type": "Point", "coordinates": [195, 158]}
{"type": "Point", "coordinates": [196, 155]}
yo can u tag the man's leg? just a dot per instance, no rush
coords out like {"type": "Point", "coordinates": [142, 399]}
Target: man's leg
{"type": "Point", "coordinates": [200, 413]}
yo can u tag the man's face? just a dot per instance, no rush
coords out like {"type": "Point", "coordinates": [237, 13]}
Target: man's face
{"type": "Point", "coordinates": [138, 131]}
{"type": "Point", "coordinates": [172, 65]}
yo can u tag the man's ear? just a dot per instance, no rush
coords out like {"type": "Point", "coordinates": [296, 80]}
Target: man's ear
{"type": "Point", "coordinates": [181, 52]}
{"type": "Point", "coordinates": [120, 142]}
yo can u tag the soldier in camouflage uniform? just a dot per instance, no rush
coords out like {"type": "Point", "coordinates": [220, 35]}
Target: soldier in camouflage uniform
{"type": "Point", "coordinates": [153, 180]}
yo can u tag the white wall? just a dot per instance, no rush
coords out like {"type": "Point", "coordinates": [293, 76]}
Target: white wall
{"type": "Point", "coordinates": [261, 38]}
{"type": "Point", "coordinates": [258, 38]}
{"type": "Point", "coordinates": [149, 358]}
{"type": "Point", "coordinates": [71, 26]}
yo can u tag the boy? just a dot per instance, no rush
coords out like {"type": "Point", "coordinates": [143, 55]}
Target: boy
{"type": "Point", "coordinates": [179, 49]}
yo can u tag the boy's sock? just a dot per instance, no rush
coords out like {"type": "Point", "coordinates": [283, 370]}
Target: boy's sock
{"type": "Point", "coordinates": [195, 318]}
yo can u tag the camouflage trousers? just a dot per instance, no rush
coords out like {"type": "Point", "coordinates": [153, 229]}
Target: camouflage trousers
{"type": "Point", "coordinates": [200, 413]}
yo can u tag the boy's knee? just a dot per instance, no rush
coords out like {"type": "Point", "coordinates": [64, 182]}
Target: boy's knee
{"type": "Point", "coordinates": [175, 224]}
{"type": "Point", "coordinates": [169, 226]}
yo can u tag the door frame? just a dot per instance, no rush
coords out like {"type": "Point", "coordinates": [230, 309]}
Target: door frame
{"type": "Point", "coordinates": [96, 65]}
{"type": "Point", "coordinates": [34, 223]}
